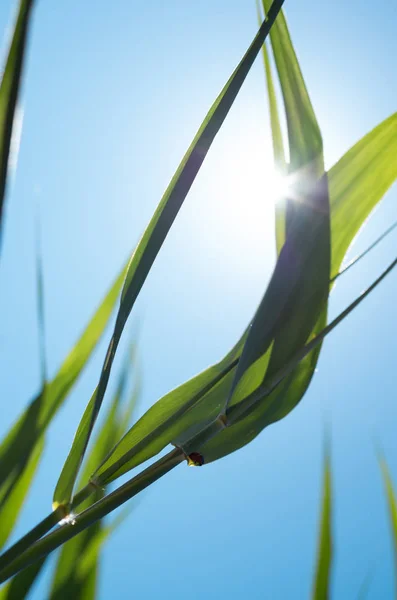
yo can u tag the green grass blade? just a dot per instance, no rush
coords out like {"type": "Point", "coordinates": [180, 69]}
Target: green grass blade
{"type": "Point", "coordinates": [305, 141]}
{"type": "Point", "coordinates": [64, 489]}
{"type": "Point", "coordinates": [76, 569]}
{"type": "Point", "coordinates": [13, 495]}
{"type": "Point", "coordinates": [40, 309]}
{"type": "Point", "coordinates": [358, 181]}
{"type": "Point", "coordinates": [263, 407]}
{"type": "Point", "coordinates": [26, 437]}
{"type": "Point", "coordinates": [277, 139]}
{"type": "Point", "coordinates": [168, 208]}
{"type": "Point", "coordinates": [21, 585]}
{"type": "Point", "coordinates": [392, 503]}
{"type": "Point", "coordinates": [322, 581]}
{"type": "Point", "coordinates": [9, 92]}
{"type": "Point", "coordinates": [289, 310]}
{"type": "Point", "coordinates": [108, 437]}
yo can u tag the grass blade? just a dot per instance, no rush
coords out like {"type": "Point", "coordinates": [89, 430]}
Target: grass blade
{"type": "Point", "coordinates": [392, 503]}
{"type": "Point", "coordinates": [9, 92]}
{"type": "Point", "coordinates": [277, 138]}
{"type": "Point", "coordinates": [25, 438]}
{"type": "Point", "coordinates": [168, 208]}
{"type": "Point", "coordinates": [305, 141]}
{"type": "Point", "coordinates": [322, 582]}
{"type": "Point", "coordinates": [358, 181]}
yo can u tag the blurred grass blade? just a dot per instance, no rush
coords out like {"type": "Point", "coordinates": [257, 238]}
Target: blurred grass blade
{"type": "Point", "coordinates": [21, 585]}
{"type": "Point", "coordinates": [40, 309]}
{"type": "Point", "coordinates": [9, 92]}
{"type": "Point", "coordinates": [174, 196]}
{"type": "Point", "coordinates": [392, 503]}
{"type": "Point", "coordinates": [26, 437]}
{"type": "Point", "coordinates": [277, 138]}
{"type": "Point", "coordinates": [322, 581]}
{"type": "Point", "coordinates": [13, 494]}
{"type": "Point", "coordinates": [358, 181]}
{"type": "Point", "coordinates": [76, 569]}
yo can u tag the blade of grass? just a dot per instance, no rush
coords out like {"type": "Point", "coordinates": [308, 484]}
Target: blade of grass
{"type": "Point", "coordinates": [168, 208]}
{"type": "Point", "coordinates": [40, 308]}
{"type": "Point", "coordinates": [392, 503]}
{"type": "Point", "coordinates": [306, 257]}
{"type": "Point", "coordinates": [358, 181]}
{"type": "Point", "coordinates": [322, 581]}
{"type": "Point", "coordinates": [9, 92]}
{"type": "Point", "coordinates": [305, 141]}
{"type": "Point", "coordinates": [277, 138]}
{"type": "Point", "coordinates": [26, 435]}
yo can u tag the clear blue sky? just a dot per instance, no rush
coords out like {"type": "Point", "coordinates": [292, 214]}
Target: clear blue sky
{"type": "Point", "coordinates": [113, 96]}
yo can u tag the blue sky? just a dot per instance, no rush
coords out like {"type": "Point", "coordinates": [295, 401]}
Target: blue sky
{"type": "Point", "coordinates": [112, 99]}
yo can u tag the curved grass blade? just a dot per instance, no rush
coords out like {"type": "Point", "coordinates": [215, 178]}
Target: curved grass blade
{"type": "Point", "coordinates": [305, 141]}
{"type": "Point", "coordinates": [25, 439]}
{"type": "Point", "coordinates": [358, 181]}
{"type": "Point", "coordinates": [289, 310]}
{"type": "Point", "coordinates": [168, 208]}
{"type": "Point", "coordinates": [9, 92]}
{"type": "Point", "coordinates": [262, 408]}
{"type": "Point", "coordinates": [322, 581]}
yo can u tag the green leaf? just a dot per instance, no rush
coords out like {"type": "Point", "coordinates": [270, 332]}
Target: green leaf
{"type": "Point", "coordinates": [267, 404]}
{"type": "Point", "coordinates": [305, 141]}
{"type": "Point", "coordinates": [110, 434]}
{"type": "Point", "coordinates": [174, 196]}
{"type": "Point", "coordinates": [26, 437]}
{"type": "Point", "coordinates": [14, 495]}
{"type": "Point", "coordinates": [298, 290]}
{"type": "Point", "coordinates": [392, 502]}
{"type": "Point", "coordinates": [277, 138]}
{"type": "Point", "coordinates": [358, 181]}
{"type": "Point", "coordinates": [322, 582]}
{"type": "Point", "coordinates": [9, 92]}
{"type": "Point", "coordinates": [76, 569]}
{"type": "Point", "coordinates": [40, 309]}
{"type": "Point", "coordinates": [20, 586]}
{"type": "Point", "coordinates": [64, 489]}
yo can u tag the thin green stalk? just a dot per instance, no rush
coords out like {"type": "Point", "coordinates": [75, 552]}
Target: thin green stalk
{"type": "Point", "coordinates": [94, 513]}
{"type": "Point", "coordinates": [355, 260]}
